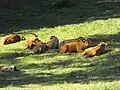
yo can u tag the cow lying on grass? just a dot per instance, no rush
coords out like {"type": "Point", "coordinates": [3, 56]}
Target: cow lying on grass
{"type": "Point", "coordinates": [36, 45]}
{"type": "Point", "coordinates": [30, 41]}
{"type": "Point", "coordinates": [74, 45]}
{"type": "Point", "coordinates": [92, 51]}
{"type": "Point", "coordinates": [53, 43]}
{"type": "Point", "coordinates": [12, 38]}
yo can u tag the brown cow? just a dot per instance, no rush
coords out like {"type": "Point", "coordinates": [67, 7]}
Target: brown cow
{"type": "Point", "coordinates": [12, 38]}
{"type": "Point", "coordinates": [36, 45]}
{"type": "Point", "coordinates": [92, 51]}
{"type": "Point", "coordinates": [71, 40]}
{"type": "Point", "coordinates": [74, 46]}
{"type": "Point", "coordinates": [30, 41]}
{"type": "Point", "coordinates": [53, 43]}
{"type": "Point", "coordinates": [39, 46]}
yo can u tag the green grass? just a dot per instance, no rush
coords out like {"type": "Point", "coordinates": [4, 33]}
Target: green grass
{"type": "Point", "coordinates": [66, 71]}
{"type": "Point", "coordinates": [62, 71]}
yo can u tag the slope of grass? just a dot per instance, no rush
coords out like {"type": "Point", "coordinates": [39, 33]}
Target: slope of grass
{"type": "Point", "coordinates": [62, 71]}
{"type": "Point", "coordinates": [65, 71]}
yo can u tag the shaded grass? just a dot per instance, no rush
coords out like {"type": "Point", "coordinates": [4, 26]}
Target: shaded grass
{"type": "Point", "coordinates": [54, 68]}
{"type": "Point", "coordinates": [19, 15]}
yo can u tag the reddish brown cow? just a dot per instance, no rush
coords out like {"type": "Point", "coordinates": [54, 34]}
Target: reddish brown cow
{"type": "Point", "coordinates": [92, 51]}
{"type": "Point", "coordinates": [36, 45]}
{"type": "Point", "coordinates": [75, 46]}
{"type": "Point", "coordinates": [12, 38]}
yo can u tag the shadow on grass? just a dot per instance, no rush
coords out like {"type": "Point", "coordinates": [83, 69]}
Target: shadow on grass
{"type": "Point", "coordinates": [12, 57]}
{"type": "Point", "coordinates": [19, 15]}
{"type": "Point", "coordinates": [112, 40]}
{"type": "Point", "coordinates": [105, 67]}
{"type": "Point", "coordinates": [98, 70]}
{"type": "Point", "coordinates": [57, 64]}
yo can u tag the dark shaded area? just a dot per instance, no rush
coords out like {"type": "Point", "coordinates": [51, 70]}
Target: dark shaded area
{"type": "Point", "coordinates": [105, 67]}
{"type": "Point", "coordinates": [26, 14]}
{"type": "Point", "coordinates": [11, 57]}
{"type": "Point", "coordinates": [112, 40]}
{"type": "Point", "coordinates": [55, 65]}
{"type": "Point", "coordinates": [102, 70]}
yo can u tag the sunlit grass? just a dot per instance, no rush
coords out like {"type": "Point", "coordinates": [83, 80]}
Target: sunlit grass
{"type": "Point", "coordinates": [60, 71]}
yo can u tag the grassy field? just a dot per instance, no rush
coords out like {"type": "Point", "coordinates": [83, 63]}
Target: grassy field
{"type": "Point", "coordinates": [62, 71]}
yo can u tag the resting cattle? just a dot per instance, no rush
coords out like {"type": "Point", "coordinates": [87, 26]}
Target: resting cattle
{"type": "Point", "coordinates": [53, 43]}
{"type": "Point", "coordinates": [71, 40]}
{"type": "Point", "coordinates": [36, 45]}
{"type": "Point", "coordinates": [30, 41]}
{"type": "Point", "coordinates": [12, 38]}
{"type": "Point", "coordinates": [39, 46]}
{"type": "Point", "coordinates": [92, 51]}
{"type": "Point", "coordinates": [77, 45]}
